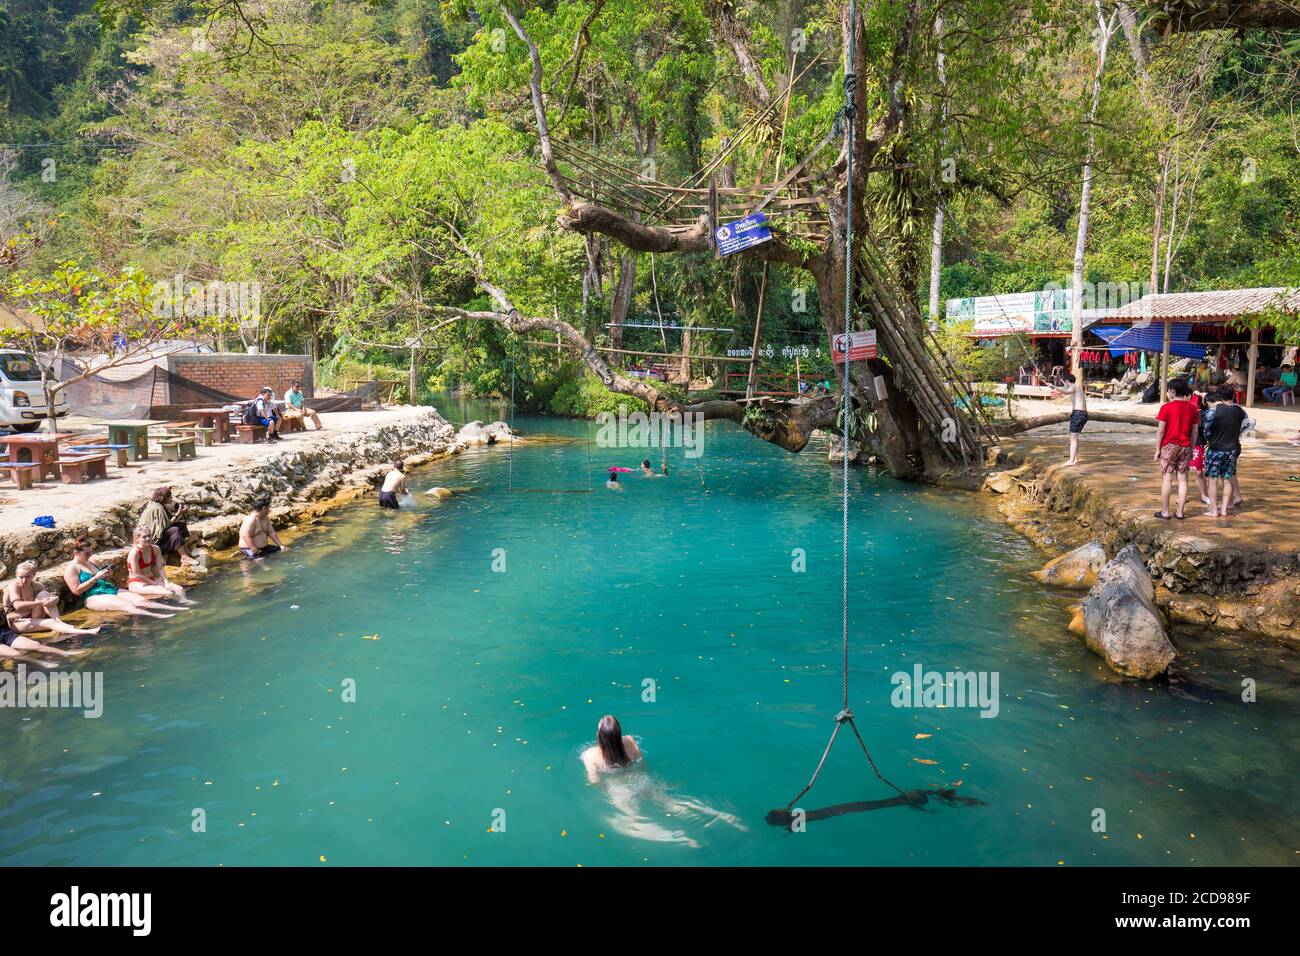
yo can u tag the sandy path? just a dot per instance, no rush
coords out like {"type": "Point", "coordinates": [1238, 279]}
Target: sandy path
{"type": "Point", "coordinates": [71, 504]}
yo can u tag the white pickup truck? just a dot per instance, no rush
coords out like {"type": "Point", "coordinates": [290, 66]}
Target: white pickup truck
{"type": "Point", "coordinates": [22, 401]}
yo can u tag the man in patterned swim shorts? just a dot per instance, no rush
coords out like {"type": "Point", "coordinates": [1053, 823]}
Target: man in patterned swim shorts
{"type": "Point", "coordinates": [1222, 448]}
{"type": "Point", "coordinates": [1178, 420]}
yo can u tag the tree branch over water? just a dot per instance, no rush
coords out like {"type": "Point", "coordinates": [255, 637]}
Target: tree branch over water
{"type": "Point", "coordinates": [789, 425]}
{"type": "Point", "coordinates": [1057, 418]}
{"type": "Point", "coordinates": [1187, 16]}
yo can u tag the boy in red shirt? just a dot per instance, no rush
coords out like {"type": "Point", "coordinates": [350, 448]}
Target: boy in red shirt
{"type": "Point", "coordinates": [1178, 420]}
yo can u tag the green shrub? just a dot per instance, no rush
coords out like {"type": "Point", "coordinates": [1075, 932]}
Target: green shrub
{"type": "Point", "coordinates": [587, 396]}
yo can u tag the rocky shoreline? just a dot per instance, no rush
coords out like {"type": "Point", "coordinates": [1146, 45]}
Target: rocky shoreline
{"type": "Point", "coordinates": [1198, 581]}
{"type": "Point", "coordinates": [302, 483]}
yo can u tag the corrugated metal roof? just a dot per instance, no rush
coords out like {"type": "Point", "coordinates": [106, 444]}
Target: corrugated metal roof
{"type": "Point", "coordinates": [1219, 304]}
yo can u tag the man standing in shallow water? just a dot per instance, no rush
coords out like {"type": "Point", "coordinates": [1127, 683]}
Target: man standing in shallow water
{"type": "Point", "coordinates": [394, 486]}
{"type": "Point", "coordinates": [256, 534]}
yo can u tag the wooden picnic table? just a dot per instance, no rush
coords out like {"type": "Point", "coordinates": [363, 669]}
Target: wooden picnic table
{"type": "Point", "coordinates": [133, 432]}
{"type": "Point", "coordinates": [41, 448]}
{"type": "Point", "coordinates": [218, 419]}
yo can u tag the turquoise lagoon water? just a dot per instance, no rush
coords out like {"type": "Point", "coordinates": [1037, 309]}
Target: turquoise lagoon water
{"type": "Point", "coordinates": [482, 688]}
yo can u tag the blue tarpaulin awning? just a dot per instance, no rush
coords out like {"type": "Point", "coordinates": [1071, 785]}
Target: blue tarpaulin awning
{"type": "Point", "coordinates": [1149, 338]}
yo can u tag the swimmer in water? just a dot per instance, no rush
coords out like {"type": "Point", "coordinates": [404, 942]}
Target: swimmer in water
{"type": "Point", "coordinates": [612, 750]}
{"type": "Point", "coordinates": [636, 798]}
{"type": "Point", "coordinates": [612, 483]}
{"type": "Point", "coordinates": [647, 471]}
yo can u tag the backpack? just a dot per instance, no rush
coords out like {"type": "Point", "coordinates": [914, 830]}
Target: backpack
{"type": "Point", "coordinates": [250, 416]}
{"type": "Point", "coordinates": [1152, 392]}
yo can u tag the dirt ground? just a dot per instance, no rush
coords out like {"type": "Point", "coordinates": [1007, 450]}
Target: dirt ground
{"type": "Point", "coordinates": [1117, 460]}
{"type": "Point", "coordinates": [67, 503]}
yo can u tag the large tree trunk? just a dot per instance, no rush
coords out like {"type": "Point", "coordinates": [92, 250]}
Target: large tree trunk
{"type": "Point", "coordinates": [896, 439]}
{"type": "Point", "coordinates": [622, 298]}
{"type": "Point", "coordinates": [1105, 28]}
{"type": "Point", "coordinates": [936, 233]}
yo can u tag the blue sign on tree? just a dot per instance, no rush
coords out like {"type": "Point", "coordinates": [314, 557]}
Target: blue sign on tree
{"type": "Point", "coordinates": [742, 234]}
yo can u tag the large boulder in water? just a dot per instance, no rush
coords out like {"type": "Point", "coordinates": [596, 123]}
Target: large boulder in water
{"type": "Point", "coordinates": [1120, 621]}
{"type": "Point", "coordinates": [1074, 569]}
{"type": "Point", "coordinates": [836, 453]}
{"type": "Point", "coordinates": [476, 433]}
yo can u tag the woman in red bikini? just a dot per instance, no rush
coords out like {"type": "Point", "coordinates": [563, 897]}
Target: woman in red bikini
{"type": "Point", "coordinates": [147, 575]}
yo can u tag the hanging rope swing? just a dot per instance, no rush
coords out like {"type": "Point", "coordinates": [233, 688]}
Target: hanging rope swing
{"type": "Point", "coordinates": [914, 798]}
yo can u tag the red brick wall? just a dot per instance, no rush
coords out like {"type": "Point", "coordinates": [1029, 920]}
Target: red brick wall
{"type": "Point", "coordinates": [238, 375]}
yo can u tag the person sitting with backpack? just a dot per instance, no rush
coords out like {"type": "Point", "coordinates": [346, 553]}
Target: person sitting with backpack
{"type": "Point", "coordinates": [261, 411]}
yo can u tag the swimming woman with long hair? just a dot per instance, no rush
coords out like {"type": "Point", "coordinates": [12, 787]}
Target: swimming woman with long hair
{"type": "Point", "coordinates": [636, 797]}
{"type": "Point", "coordinates": [612, 750]}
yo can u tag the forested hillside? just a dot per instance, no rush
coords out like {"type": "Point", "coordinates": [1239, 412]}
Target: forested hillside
{"type": "Point", "coordinates": [368, 162]}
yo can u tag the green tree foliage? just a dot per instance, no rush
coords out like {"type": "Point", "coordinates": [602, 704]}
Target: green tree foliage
{"type": "Point", "coordinates": [366, 162]}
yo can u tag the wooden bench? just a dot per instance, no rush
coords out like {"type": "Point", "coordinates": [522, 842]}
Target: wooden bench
{"type": "Point", "coordinates": [96, 445]}
{"type": "Point", "coordinates": [21, 472]}
{"type": "Point", "coordinates": [197, 432]}
{"type": "Point", "coordinates": [77, 470]}
{"type": "Point", "coordinates": [178, 448]}
{"type": "Point", "coordinates": [250, 433]}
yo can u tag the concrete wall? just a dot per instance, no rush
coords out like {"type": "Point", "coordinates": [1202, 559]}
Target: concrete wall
{"type": "Point", "coordinates": [234, 373]}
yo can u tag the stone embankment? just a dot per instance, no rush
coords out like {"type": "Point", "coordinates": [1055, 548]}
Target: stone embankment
{"type": "Point", "coordinates": [1229, 575]}
{"type": "Point", "coordinates": [301, 482]}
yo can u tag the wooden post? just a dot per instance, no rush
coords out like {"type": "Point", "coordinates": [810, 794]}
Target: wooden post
{"type": "Point", "coordinates": [758, 327]}
{"type": "Point", "coordinates": [713, 215]}
{"type": "Point", "coordinates": [412, 381]}
{"type": "Point", "coordinates": [1164, 360]}
{"type": "Point", "coordinates": [1253, 354]}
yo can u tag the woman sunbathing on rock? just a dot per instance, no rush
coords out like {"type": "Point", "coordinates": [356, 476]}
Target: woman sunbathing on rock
{"type": "Point", "coordinates": [28, 608]}
{"type": "Point", "coordinates": [146, 572]}
{"type": "Point", "coordinates": [86, 581]}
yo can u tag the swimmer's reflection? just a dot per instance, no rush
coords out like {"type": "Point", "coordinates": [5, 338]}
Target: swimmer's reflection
{"type": "Point", "coordinates": [616, 761]}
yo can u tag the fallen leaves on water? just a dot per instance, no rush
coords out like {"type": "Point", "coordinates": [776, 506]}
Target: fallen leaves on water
{"type": "Point", "coordinates": [925, 761]}
{"type": "Point", "coordinates": [370, 637]}
{"type": "Point", "coordinates": [923, 736]}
